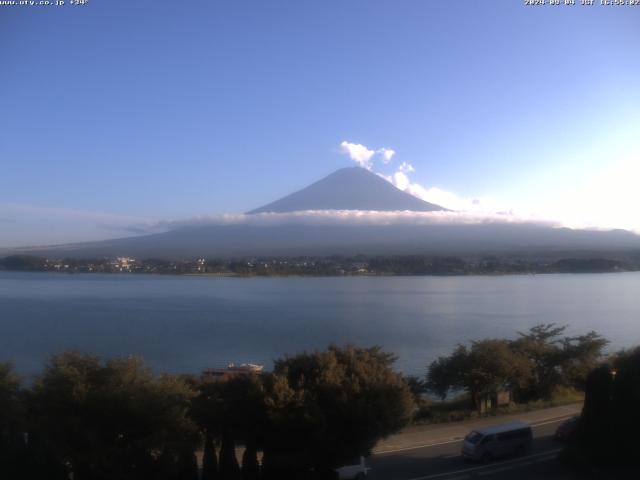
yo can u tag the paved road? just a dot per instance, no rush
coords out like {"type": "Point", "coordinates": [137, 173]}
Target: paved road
{"type": "Point", "coordinates": [442, 461]}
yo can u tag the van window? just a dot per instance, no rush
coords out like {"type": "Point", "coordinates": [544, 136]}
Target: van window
{"type": "Point", "coordinates": [514, 434]}
{"type": "Point", "coordinates": [474, 437]}
{"type": "Point", "coordinates": [487, 439]}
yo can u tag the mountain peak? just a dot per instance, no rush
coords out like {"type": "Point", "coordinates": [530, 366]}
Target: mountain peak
{"type": "Point", "coordinates": [351, 188]}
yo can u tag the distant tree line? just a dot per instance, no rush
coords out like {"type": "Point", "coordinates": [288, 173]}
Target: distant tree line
{"type": "Point", "coordinates": [330, 266]}
{"type": "Point", "coordinates": [115, 419]}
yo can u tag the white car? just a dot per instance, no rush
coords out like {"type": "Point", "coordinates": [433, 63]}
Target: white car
{"type": "Point", "coordinates": [355, 470]}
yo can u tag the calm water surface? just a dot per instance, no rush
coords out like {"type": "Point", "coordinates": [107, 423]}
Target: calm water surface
{"type": "Point", "coordinates": [185, 324]}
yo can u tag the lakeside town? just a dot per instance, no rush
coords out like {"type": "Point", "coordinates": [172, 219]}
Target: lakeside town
{"type": "Point", "coordinates": [325, 266]}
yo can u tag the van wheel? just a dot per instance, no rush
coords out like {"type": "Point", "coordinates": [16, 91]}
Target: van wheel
{"type": "Point", "coordinates": [360, 476]}
{"type": "Point", "coordinates": [520, 451]}
{"type": "Point", "coordinates": [486, 458]}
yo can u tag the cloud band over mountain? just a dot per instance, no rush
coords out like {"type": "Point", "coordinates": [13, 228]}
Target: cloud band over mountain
{"type": "Point", "coordinates": [338, 217]}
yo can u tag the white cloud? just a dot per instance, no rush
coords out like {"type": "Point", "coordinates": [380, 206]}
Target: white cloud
{"type": "Point", "coordinates": [401, 181]}
{"type": "Point", "coordinates": [364, 156]}
{"type": "Point", "coordinates": [358, 153]}
{"type": "Point", "coordinates": [456, 202]}
{"type": "Point", "coordinates": [406, 167]}
{"type": "Point", "coordinates": [333, 217]}
{"type": "Point", "coordinates": [386, 154]}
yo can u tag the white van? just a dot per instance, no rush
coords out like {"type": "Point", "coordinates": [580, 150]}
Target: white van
{"type": "Point", "coordinates": [355, 470]}
{"type": "Point", "coordinates": [497, 441]}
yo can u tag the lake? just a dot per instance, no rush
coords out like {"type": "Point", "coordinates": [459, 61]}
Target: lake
{"type": "Point", "coordinates": [187, 323]}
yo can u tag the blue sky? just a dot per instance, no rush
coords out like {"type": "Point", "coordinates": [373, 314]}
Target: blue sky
{"type": "Point", "coordinates": [119, 112]}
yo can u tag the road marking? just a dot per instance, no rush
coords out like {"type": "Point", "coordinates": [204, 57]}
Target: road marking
{"type": "Point", "coordinates": [559, 419]}
{"type": "Point", "coordinates": [498, 470]}
{"type": "Point", "coordinates": [511, 467]}
{"type": "Point", "coordinates": [516, 461]}
{"type": "Point", "coordinates": [418, 447]}
{"type": "Point", "coordinates": [455, 455]}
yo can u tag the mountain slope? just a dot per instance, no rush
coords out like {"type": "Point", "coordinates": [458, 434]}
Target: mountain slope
{"type": "Point", "coordinates": [349, 189]}
{"type": "Point", "coordinates": [226, 241]}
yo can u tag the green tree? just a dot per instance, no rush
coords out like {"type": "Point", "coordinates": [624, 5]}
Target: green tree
{"type": "Point", "coordinates": [245, 419]}
{"type": "Point", "coordinates": [12, 423]}
{"type": "Point", "coordinates": [234, 411]}
{"type": "Point", "coordinates": [542, 346]}
{"type": "Point", "coordinates": [596, 433]}
{"type": "Point", "coordinates": [445, 373]}
{"type": "Point", "coordinates": [625, 399]}
{"type": "Point", "coordinates": [556, 360]}
{"type": "Point", "coordinates": [328, 407]}
{"type": "Point", "coordinates": [110, 419]}
{"type": "Point", "coordinates": [493, 365]}
{"type": "Point", "coordinates": [608, 429]}
{"type": "Point", "coordinates": [488, 366]}
{"type": "Point", "coordinates": [580, 355]}
{"type": "Point", "coordinates": [417, 386]}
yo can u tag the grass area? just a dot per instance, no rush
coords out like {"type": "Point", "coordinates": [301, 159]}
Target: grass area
{"type": "Point", "coordinates": [457, 409]}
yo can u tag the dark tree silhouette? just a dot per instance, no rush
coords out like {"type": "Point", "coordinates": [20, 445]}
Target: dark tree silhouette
{"type": "Point", "coordinates": [229, 468]}
{"type": "Point", "coordinates": [250, 465]}
{"type": "Point", "coordinates": [105, 419]}
{"type": "Point", "coordinates": [607, 436]}
{"type": "Point", "coordinates": [188, 464]}
{"type": "Point", "coordinates": [13, 448]}
{"type": "Point", "coordinates": [209, 459]}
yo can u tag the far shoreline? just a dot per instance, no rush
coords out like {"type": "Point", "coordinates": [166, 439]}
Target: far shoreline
{"type": "Point", "coordinates": [283, 276]}
{"type": "Point", "coordinates": [336, 266]}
